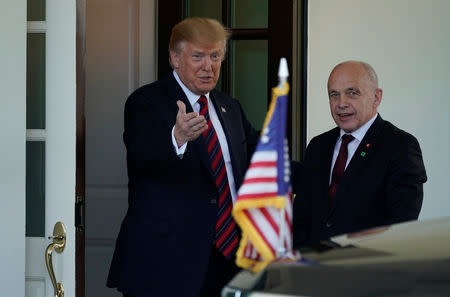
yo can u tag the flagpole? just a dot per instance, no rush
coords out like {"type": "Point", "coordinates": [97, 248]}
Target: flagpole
{"type": "Point", "coordinates": [283, 74]}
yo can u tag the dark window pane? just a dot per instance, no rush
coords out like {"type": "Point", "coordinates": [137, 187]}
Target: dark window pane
{"type": "Point", "coordinates": [35, 189]}
{"type": "Point", "coordinates": [205, 8]}
{"type": "Point", "coordinates": [250, 13]}
{"type": "Point", "coordinates": [36, 10]}
{"type": "Point", "coordinates": [36, 81]}
{"type": "Point", "coordinates": [249, 78]}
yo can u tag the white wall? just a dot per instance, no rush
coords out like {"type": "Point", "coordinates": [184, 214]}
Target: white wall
{"type": "Point", "coordinates": [12, 148]}
{"type": "Point", "coordinates": [120, 56]}
{"type": "Point", "coordinates": [408, 44]}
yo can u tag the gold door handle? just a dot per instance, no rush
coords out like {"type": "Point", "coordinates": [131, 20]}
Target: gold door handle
{"type": "Point", "coordinates": [58, 244]}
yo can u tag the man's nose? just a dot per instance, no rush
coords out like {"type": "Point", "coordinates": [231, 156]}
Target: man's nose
{"type": "Point", "coordinates": [207, 63]}
{"type": "Point", "coordinates": [342, 102]}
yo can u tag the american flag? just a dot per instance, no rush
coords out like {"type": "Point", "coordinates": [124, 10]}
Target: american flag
{"type": "Point", "coordinates": [263, 207]}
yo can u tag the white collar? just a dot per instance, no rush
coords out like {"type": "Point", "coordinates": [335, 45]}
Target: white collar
{"type": "Point", "coordinates": [361, 131]}
{"type": "Point", "coordinates": [192, 97]}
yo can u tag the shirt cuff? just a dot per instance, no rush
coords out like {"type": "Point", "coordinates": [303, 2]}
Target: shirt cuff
{"type": "Point", "coordinates": [178, 150]}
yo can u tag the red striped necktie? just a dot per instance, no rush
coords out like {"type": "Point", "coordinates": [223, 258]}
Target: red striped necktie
{"type": "Point", "coordinates": [226, 233]}
{"type": "Point", "coordinates": [339, 165]}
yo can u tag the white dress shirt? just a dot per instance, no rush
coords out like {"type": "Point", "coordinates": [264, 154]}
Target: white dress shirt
{"type": "Point", "coordinates": [353, 145]}
{"type": "Point", "coordinates": [219, 130]}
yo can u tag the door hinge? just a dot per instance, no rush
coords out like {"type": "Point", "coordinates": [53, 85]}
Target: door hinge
{"type": "Point", "coordinates": [79, 213]}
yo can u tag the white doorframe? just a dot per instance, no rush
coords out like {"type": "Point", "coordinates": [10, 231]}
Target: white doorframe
{"type": "Point", "coordinates": [61, 132]}
{"type": "Point", "coordinates": [12, 150]}
{"type": "Point", "coordinates": [60, 140]}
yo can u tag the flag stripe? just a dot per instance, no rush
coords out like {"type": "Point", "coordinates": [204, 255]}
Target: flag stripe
{"type": "Point", "coordinates": [258, 195]}
{"type": "Point", "coordinates": [261, 172]}
{"type": "Point", "coordinates": [263, 164]}
{"type": "Point", "coordinates": [268, 155]}
{"type": "Point", "coordinates": [258, 188]}
{"type": "Point", "coordinates": [260, 180]}
{"type": "Point", "coordinates": [262, 234]}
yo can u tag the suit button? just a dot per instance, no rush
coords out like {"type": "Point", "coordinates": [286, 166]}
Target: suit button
{"type": "Point", "coordinates": [213, 201]}
{"type": "Point", "coordinates": [329, 224]}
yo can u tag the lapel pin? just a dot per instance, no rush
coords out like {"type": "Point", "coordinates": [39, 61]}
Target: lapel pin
{"type": "Point", "coordinates": [363, 154]}
{"type": "Point", "coordinates": [368, 145]}
{"type": "Point", "coordinates": [223, 109]}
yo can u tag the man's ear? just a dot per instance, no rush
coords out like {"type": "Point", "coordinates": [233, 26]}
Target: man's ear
{"type": "Point", "coordinates": [378, 96]}
{"type": "Point", "coordinates": [174, 59]}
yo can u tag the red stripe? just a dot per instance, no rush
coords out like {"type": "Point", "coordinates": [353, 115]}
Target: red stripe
{"type": "Point", "coordinates": [269, 219]}
{"type": "Point", "coordinates": [220, 176]}
{"type": "Point", "coordinates": [231, 246]}
{"type": "Point", "coordinates": [224, 194]}
{"type": "Point", "coordinates": [212, 142]}
{"type": "Point", "coordinates": [288, 221]}
{"type": "Point", "coordinates": [249, 250]}
{"type": "Point", "coordinates": [263, 164]}
{"type": "Point", "coordinates": [261, 234]}
{"type": "Point", "coordinates": [258, 195]}
{"type": "Point", "coordinates": [226, 213]}
{"type": "Point", "coordinates": [216, 160]}
{"type": "Point", "coordinates": [205, 133]}
{"type": "Point", "coordinates": [260, 180]}
{"type": "Point", "coordinates": [226, 233]}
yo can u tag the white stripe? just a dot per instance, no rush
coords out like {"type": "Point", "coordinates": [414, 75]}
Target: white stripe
{"type": "Point", "coordinates": [246, 250]}
{"type": "Point", "coordinates": [264, 226]}
{"type": "Point", "coordinates": [257, 188]}
{"type": "Point", "coordinates": [254, 253]}
{"type": "Point", "coordinates": [261, 172]}
{"type": "Point", "coordinates": [264, 156]}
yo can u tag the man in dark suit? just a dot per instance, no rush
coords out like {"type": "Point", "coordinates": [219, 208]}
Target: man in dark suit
{"type": "Point", "coordinates": [384, 173]}
{"type": "Point", "coordinates": [188, 147]}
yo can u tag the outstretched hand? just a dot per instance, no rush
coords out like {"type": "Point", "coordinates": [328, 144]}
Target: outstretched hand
{"type": "Point", "coordinates": [188, 126]}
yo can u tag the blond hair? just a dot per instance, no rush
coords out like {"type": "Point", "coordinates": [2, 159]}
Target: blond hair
{"type": "Point", "coordinates": [201, 31]}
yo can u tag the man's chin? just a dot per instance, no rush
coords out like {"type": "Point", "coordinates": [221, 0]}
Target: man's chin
{"type": "Point", "coordinates": [347, 127]}
{"type": "Point", "coordinates": [206, 89]}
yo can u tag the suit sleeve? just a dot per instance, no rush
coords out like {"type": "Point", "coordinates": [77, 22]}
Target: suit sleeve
{"type": "Point", "coordinates": [405, 179]}
{"type": "Point", "coordinates": [147, 135]}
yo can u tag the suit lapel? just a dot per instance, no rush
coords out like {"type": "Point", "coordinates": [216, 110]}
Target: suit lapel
{"type": "Point", "coordinates": [224, 113]}
{"type": "Point", "coordinates": [176, 93]}
{"type": "Point", "coordinates": [362, 154]}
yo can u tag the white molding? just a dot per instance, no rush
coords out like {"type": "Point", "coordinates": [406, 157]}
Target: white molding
{"type": "Point", "coordinates": [132, 45]}
{"type": "Point", "coordinates": [36, 27]}
{"type": "Point", "coordinates": [36, 134]}
{"type": "Point", "coordinates": [35, 286]}
{"type": "Point", "coordinates": [147, 41]}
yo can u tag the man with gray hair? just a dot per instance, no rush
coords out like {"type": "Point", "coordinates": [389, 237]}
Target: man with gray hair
{"type": "Point", "coordinates": [362, 174]}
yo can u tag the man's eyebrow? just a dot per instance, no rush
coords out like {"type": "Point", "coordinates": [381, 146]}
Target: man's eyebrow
{"type": "Point", "coordinates": [356, 90]}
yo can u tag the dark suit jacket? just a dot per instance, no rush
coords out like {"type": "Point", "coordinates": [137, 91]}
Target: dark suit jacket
{"type": "Point", "coordinates": [382, 184]}
{"type": "Point", "coordinates": [166, 236]}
